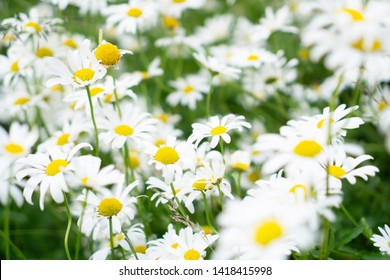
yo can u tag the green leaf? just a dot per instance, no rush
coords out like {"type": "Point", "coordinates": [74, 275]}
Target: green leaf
{"type": "Point", "coordinates": [350, 235]}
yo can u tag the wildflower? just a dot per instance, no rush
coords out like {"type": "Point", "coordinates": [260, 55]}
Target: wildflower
{"type": "Point", "coordinates": [216, 66]}
{"type": "Point", "coordinates": [382, 242]}
{"type": "Point", "coordinates": [108, 54]}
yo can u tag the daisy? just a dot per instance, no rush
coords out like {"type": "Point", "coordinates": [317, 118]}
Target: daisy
{"type": "Point", "coordinates": [91, 6]}
{"type": "Point", "coordinates": [14, 65]}
{"type": "Point", "coordinates": [172, 157]}
{"type": "Point", "coordinates": [217, 129]}
{"type": "Point", "coordinates": [133, 16]}
{"type": "Point", "coordinates": [176, 7]}
{"type": "Point", "coordinates": [116, 205]}
{"type": "Point", "coordinates": [240, 161]}
{"type": "Point", "coordinates": [215, 66]}
{"type": "Point", "coordinates": [153, 70]}
{"type": "Point", "coordinates": [382, 242]}
{"type": "Point", "coordinates": [84, 70]}
{"type": "Point", "coordinates": [134, 125]}
{"type": "Point", "coordinates": [163, 248]}
{"type": "Point", "coordinates": [8, 189]}
{"type": "Point", "coordinates": [18, 142]}
{"type": "Point", "coordinates": [47, 171]}
{"type": "Point", "coordinates": [108, 54]}
{"type": "Point", "coordinates": [188, 90]}
{"type": "Point", "coordinates": [215, 29]}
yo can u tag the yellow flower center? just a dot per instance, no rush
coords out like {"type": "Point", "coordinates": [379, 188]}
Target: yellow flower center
{"type": "Point", "coordinates": [134, 162]}
{"type": "Point", "coordinates": [382, 105]}
{"type": "Point", "coordinates": [304, 54]}
{"type": "Point", "coordinates": [144, 74]}
{"type": "Point", "coordinates": [175, 245]}
{"type": "Point", "coordinates": [123, 130]}
{"type": "Point", "coordinates": [108, 97]}
{"type": "Point", "coordinates": [252, 57]}
{"type": "Point", "coordinates": [63, 139]}
{"type": "Point", "coordinates": [166, 155]}
{"type": "Point", "coordinates": [307, 148]}
{"type": "Point", "coordinates": [44, 52]}
{"type": "Point", "coordinates": [13, 148]}
{"type": "Point", "coordinates": [108, 54]}
{"type": "Point", "coordinates": [355, 15]}
{"type": "Point", "coordinates": [171, 22]}
{"type": "Point", "coordinates": [218, 130]}
{"type": "Point", "coordinates": [85, 180]}
{"type": "Point", "coordinates": [54, 167]}
{"type": "Point", "coordinates": [159, 142]}
{"type": "Point", "coordinates": [178, 1]}
{"type": "Point", "coordinates": [188, 89]}
{"type": "Point", "coordinates": [207, 230]}
{"type": "Point", "coordinates": [140, 249]}
{"type": "Point", "coordinates": [96, 90]}
{"type": "Point", "coordinates": [134, 12]}
{"type": "Point", "coordinates": [84, 74]}
{"type": "Point", "coordinates": [163, 117]}
{"type": "Point", "coordinates": [109, 207]}
{"type": "Point", "coordinates": [58, 88]}
{"type": "Point", "coordinates": [191, 255]}
{"type": "Point", "coordinates": [15, 67]}
{"type": "Point", "coordinates": [254, 176]}
{"type": "Point", "coordinates": [388, 243]}
{"type": "Point", "coordinates": [34, 25]}
{"type": "Point", "coordinates": [336, 171]}
{"type": "Point", "coordinates": [297, 187]}
{"type": "Point", "coordinates": [71, 44]}
{"type": "Point", "coordinates": [267, 232]}
{"type": "Point", "coordinates": [200, 184]}
{"type": "Point", "coordinates": [21, 101]}
{"type": "Point", "coordinates": [240, 166]}
{"type": "Point", "coordinates": [362, 46]}
{"type": "Point", "coordinates": [320, 124]}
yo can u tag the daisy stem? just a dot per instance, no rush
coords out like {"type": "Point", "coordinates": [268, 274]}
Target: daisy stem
{"type": "Point", "coordinates": [208, 214]}
{"type": "Point", "coordinates": [239, 184]}
{"type": "Point", "coordinates": [112, 72]}
{"type": "Point", "coordinates": [126, 158]}
{"type": "Point", "coordinates": [208, 100]}
{"type": "Point", "coordinates": [342, 207]}
{"type": "Point", "coordinates": [6, 226]}
{"type": "Point", "coordinates": [220, 196]}
{"type": "Point", "coordinates": [111, 239]}
{"type": "Point", "coordinates": [93, 121]}
{"type": "Point", "coordinates": [324, 250]}
{"type": "Point", "coordinates": [177, 201]}
{"type": "Point", "coordinates": [66, 239]}
{"type": "Point", "coordinates": [131, 246]}
{"type": "Point", "coordinates": [78, 241]}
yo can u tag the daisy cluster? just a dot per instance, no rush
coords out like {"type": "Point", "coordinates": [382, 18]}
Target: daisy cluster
{"type": "Point", "coordinates": [157, 136]}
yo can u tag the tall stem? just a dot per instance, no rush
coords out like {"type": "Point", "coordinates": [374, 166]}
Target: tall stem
{"type": "Point", "coordinates": [66, 239]}
{"type": "Point", "coordinates": [131, 246]}
{"type": "Point", "coordinates": [79, 233]}
{"type": "Point", "coordinates": [93, 121]}
{"type": "Point", "coordinates": [116, 93]}
{"type": "Point", "coordinates": [208, 214]}
{"type": "Point", "coordinates": [111, 239]}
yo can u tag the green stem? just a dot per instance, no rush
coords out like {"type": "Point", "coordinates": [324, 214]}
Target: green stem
{"type": "Point", "coordinates": [324, 250]}
{"type": "Point", "coordinates": [239, 184]}
{"type": "Point", "coordinates": [111, 239]}
{"type": "Point", "coordinates": [93, 121]}
{"type": "Point", "coordinates": [220, 196]}
{"type": "Point", "coordinates": [131, 246]}
{"type": "Point", "coordinates": [126, 158]}
{"type": "Point", "coordinates": [208, 214]}
{"type": "Point", "coordinates": [7, 226]}
{"type": "Point", "coordinates": [79, 233]}
{"type": "Point", "coordinates": [116, 93]}
{"type": "Point", "coordinates": [66, 239]}
{"type": "Point", "coordinates": [181, 210]}
{"type": "Point", "coordinates": [342, 207]}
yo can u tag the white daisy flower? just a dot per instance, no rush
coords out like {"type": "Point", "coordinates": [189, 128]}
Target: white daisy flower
{"type": "Point", "coordinates": [163, 248]}
{"type": "Point", "coordinates": [84, 70]}
{"type": "Point", "coordinates": [47, 171]}
{"type": "Point", "coordinates": [8, 189]}
{"type": "Point", "coordinates": [217, 67]}
{"type": "Point", "coordinates": [176, 7]}
{"type": "Point", "coordinates": [18, 142]}
{"type": "Point", "coordinates": [154, 70]}
{"type": "Point", "coordinates": [172, 157]}
{"type": "Point", "coordinates": [217, 129]}
{"type": "Point", "coordinates": [134, 125]}
{"type": "Point", "coordinates": [240, 161]}
{"type": "Point", "coordinates": [382, 242]}
{"type": "Point", "coordinates": [108, 54]}
{"type": "Point", "coordinates": [14, 65]}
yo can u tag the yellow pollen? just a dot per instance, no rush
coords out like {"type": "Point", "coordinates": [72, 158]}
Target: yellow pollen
{"type": "Point", "coordinates": [144, 74]}
{"type": "Point", "coordinates": [175, 245]}
{"type": "Point", "coordinates": [267, 232]}
{"type": "Point", "coordinates": [123, 130]}
{"type": "Point", "coordinates": [58, 88]}
{"type": "Point", "coordinates": [254, 176]}
{"type": "Point", "coordinates": [297, 187]}
{"type": "Point", "coordinates": [44, 52]}
{"type": "Point", "coordinates": [166, 155]}
{"type": "Point", "coordinates": [218, 130]}
{"type": "Point", "coordinates": [108, 97]}
{"type": "Point", "coordinates": [171, 22]}
{"type": "Point", "coordinates": [240, 166]}
{"type": "Point", "coordinates": [388, 243]}
{"type": "Point", "coordinates": [362, 46]}
{"type": "Point", "coordinates": [307, 148]}
{"type": "Point", "coordinates": [382, 105]}
{"type": "Point", "coordinates": [163, 117]}
{"type": "Point", "coordinates": [320, 124]}
{"type": "Point", "coordinates": [96, 90]}
{"type": "Point", "coordinates": [188, 89]}
{"type": "Point", "coordinates": [336, 171]}
{"type": "Point", "coordinates": [70, 43]}
{"type": "Point", "coordinates": [200, 184]}
{"type": "Point", "coordinates": [8, 38]}
{"type": "Point", "coordinates": [191, 255]}
{"type": "Point", "coordinates": [178, 1]}
{"type": "Point", "coordinates": [140, 249]}
{"type": "Point", "coordinates": [13, 148]}
{"type": "Point", "coordinates": [134, 162]}
{"type": "Point", "coordinates": [304, 54]}
{"type": "Point", "coordinates": [85, 180]}
{"type": "Point", "coordinates": [355, 15]}
{"type": "Point", "coordinates": [63, 139]}
{"type": "Point", "coordinates": [134, 12]}
{"type": "Point", "coordinates": [15, 67]}
{"type": "Point", "coordinates": [108, 54]}
{"type": "Point", "coordinates": [109, 207]}
{"type": "Point", "coordinates": [21, 101]}
{"type": "Point", "coordinates": [54, 167]}
{"type": "Point", "coordinates": [207, 230]}
{"type": "Point", "coordinates": [34, 25]}
{"type": "Point", "coordinates": [84, 74]}
{"type": "Point", "coordinates": [252, 57]}
{"type": "Point", "coordinates": [159, 142]}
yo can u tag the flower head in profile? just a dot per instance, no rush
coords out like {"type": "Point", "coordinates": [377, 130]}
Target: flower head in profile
{"type": "Point", "coordinates": [84, 68]}
{"type": "Point", "coordinates": [216, 66]}
{"type": "Point", "coordinates": [217, 128]}
{"type": "Point", "coordinates": [108, 54]}
{"type": "Point", "coordinates": [382, 241]}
